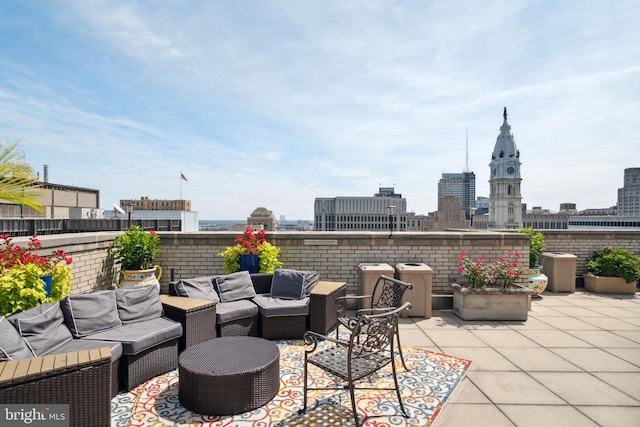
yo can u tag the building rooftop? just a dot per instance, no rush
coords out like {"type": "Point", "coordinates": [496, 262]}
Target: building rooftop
{"type": "Point", "coordinates": [574, 362]}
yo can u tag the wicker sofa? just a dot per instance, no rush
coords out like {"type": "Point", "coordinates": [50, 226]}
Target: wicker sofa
{"type": "Point", "coordinates": [128, 322]}
{"type": "Point", "coordinates": [255, 312]}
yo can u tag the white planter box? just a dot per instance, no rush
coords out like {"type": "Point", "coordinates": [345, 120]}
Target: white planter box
{"type": "Point", "coordinates": [491, 303]}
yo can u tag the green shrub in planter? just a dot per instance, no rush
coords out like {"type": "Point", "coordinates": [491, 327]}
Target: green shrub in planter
{"type": "Point", "coordinates": [614, 262]}
{"type": "Point", "coordinates": [251, 242]}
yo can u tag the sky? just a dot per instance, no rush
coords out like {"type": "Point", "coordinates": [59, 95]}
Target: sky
{"type": "Point", "coordinates": [275, 103]}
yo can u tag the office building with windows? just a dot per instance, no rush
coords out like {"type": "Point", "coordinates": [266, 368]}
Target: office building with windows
{"type": "Point", "coordinates": [629, 194]}
{"type": "Point", "coordinates": [460, 185]}
{"type": "Point", "coordinates": [361, 213]}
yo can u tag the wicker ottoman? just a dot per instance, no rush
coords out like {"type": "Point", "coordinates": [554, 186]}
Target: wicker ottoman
{"type": "Point", "coordinates": [229, 375]}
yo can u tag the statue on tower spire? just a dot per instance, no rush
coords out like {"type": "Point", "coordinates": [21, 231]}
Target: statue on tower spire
{"type": "Point", "coordinates": [504, 114]}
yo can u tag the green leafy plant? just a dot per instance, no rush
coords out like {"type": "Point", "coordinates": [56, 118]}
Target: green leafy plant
{"type": "Point", "coordinates": [536, 245]}
{"type": "Point", "coordinates": [136, 249]}
{"type": "Point", "coordinates": [251, 242]}
{"type": "Point", "coordinates": [614, 262]}
{"type": "Point", "coordinates": [18, 183]}
{"type": "Point", "coordinates": [505, 272]}
{"type": "Point", "coordinates": [21, 275]}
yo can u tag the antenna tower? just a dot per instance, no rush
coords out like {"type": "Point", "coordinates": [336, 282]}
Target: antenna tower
{"type": "Point", "coordinates": [466, 164]}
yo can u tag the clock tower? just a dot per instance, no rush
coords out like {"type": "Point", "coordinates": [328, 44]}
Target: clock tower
{"type": "Point", "coordinates": [505, 200]}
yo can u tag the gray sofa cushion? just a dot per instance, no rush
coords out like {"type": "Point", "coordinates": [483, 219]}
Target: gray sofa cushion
{"type": "Point", "coordinates": [43, 327]}
{"type": "Point", "coordinates": [199, 287]}
{"type": "Point", "coordinates": [293, 284]}
{"type": "Point", "coordinates": [235, 286]}
{"type": "Point", "coordinates": [12, 345]}
{"type": "Point", "coordinates": [82, 344]}
{"type": "Point", "coordinates": [273, 307]}
{"type": "Point", "coordinates": [139, 336]}
{"type": "Point", "coordinates": [90, 312]}
{"type": "Point", "coordinates": [234, 310]}
{"type": "Point", "coordinates": [138, 304]}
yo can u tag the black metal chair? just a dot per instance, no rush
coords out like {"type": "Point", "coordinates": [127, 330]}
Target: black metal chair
{"type": "Point", "coordinates": [387, 295]}
{"type": "Point", "coordinates": [368, 349]}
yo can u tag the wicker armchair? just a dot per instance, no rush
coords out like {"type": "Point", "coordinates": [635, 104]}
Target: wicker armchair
{"type": "Point", "coordinates": [80, 379]}
{"type": "Point", "coordinates": [387, 294]}
{"type": "Point", "coordinates": [369, 349]}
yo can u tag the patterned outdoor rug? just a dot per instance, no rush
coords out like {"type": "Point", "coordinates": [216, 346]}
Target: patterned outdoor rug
{"type": "Point", "coordinates": [425, 389]}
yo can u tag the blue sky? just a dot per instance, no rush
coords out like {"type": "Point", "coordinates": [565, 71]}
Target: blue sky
{"type": "Point", "coordinates": [275, 103]}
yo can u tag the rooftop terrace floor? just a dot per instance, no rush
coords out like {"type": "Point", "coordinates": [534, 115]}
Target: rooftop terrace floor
{"type": "Point", "coordinates": [574, 362]}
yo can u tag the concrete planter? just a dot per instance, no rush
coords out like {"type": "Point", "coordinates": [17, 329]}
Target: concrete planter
{"type": "Point", "coordinates": [608, 285]}
{"type": "Point", "coordinates": [490, 303]}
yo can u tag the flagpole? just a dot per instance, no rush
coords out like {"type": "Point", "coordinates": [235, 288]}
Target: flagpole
{"type": "Point", "coordinates": [180, 186]}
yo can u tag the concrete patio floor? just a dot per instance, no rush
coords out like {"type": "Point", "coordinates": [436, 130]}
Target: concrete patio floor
{"type": "Point", "coordinates": [574, 362]}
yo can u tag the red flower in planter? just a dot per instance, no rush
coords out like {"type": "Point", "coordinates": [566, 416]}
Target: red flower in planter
{"type": "Point", "coordinates": [251, 240]}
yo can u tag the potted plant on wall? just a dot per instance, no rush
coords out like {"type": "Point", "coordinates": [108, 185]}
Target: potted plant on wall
{"type": "Point", "coordinates": [492, 291]}
{"type": "Point", "coordinates": [537, 280]}
{"type": "Point", "coordinates": [536, 246]}
{"type": "Point", "coordinates": [612, 271]}
{"type": "Point", "coordinates": [135, 250]}
{"type": "Point", "coordinates": [252, 253]}
{"type": "Point", "coordinates": [28, 279]}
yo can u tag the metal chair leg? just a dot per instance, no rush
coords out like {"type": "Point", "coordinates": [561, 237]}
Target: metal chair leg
{"type": "Point", "coordinates": [397, 334]}
{"type": "Point", "coordinates": [304, 393]}
{"type": "Point", "coordinates": [353, 402]}
{"type": "Point", "coordinates": [395, 380]}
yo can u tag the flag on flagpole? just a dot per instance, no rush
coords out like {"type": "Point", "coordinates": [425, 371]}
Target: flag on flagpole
{"type": "Point", "coordinates": [183, 177]}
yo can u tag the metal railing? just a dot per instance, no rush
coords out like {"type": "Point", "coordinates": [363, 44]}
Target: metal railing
{"type": "Point", "coordinates": [41, 227]}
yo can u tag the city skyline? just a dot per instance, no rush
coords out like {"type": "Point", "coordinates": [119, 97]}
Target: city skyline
{"type": "Point", "coordinates": [274, 104]}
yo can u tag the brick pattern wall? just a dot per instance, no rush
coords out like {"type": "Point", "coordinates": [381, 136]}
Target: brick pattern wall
{"type": "Point", "coordinates": [334, 255]}
{"type": "Point", "coordinates": [582, 244]}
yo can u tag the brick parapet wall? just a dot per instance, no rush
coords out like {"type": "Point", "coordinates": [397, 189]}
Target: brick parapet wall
{"type": "Point", "coordinates": [583, 244]}
{"type": "Point", "coordinates": [334, 255]}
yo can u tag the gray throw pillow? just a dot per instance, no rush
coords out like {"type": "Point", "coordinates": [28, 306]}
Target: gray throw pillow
{"type": "Point", "coordinates": [200, 287]}
{"type": "Point", "coordinates": [12, 345]}
{"type": "Point", "coordinates": [235, 286]}
{"type": "Point", "coordinates": [138, 303]}
{"type": "Point", "coordinates": [311, 279]}
{"type": "Point", "coordinates": [293, 284]}
{"type": "Point", "coordinates": [43, 328]}
{"type": "Point", "coordinates": [90, 312]}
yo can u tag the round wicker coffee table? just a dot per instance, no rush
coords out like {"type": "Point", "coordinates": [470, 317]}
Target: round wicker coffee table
{"type": "Point", "coordinates": [228, 375]}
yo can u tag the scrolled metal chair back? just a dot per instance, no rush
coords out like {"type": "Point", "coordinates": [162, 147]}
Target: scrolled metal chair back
{"type": "Point", "coordinates": [388, 292]}
{"type": "Point", "coordinates": [374, 333]}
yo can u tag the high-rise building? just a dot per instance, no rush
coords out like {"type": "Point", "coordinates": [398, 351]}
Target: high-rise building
{"type": "Point", "coordinates": [629, 194]}
{"type": "Point", "coordinates": [262, 219]}
{"type": "Point", "coordinates": [460, 185]}
{"type": "Point", "coordinates": [505, 200]}
{"type": "Point", "coordinates": [361, 213]}
{"type": "Point", "coordinates": [449, 215]}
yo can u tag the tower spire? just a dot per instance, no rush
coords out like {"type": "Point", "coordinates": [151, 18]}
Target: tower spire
{"type": "Point", "coordinates": [504, 114]}
{"type": "Point", "coordinates": [466, 163]}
